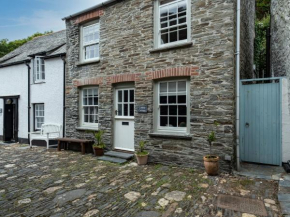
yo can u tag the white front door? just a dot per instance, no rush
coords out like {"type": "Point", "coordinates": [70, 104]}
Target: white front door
{"type": "Point", "coordinates": [124, 119]}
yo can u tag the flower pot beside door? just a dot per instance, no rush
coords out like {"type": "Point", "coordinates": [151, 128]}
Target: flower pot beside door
{"type": "Point", "coordinates": [99, 145]}
{"type": "Point", "coordinates": [141, 154]}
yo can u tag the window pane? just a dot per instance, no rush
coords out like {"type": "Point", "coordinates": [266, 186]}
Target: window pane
{"type": "Point", "coordinates": [182, 110]}
{"type": "Point", "coordinates": [120, 95]}
{"type": "Point", "coordinates": [172, 86]}
{"type": "Point", "coordinates": [182, 34]}
{"type": "Point", "coordinates": [173, 23]}
{"type": "Point", "coordinates": [120, 110]}
{"type": "Point", "coordinates": [181, 86]}
{"type": "Point", "coordinates": [131, 109]}
{"type": "Point", "coordinates": [125, 109]}
{"type": "Point", "coordinates": [181, 121]}
{"type": "Point", "coordinates": [173, 121]}
{"type": "Point", "coordinates": [86, 119]}
{"type": "Point", "coordinates": [86, 110]}
{"type": "Point", "coordinates": [125, 95]}
{"type": "Point", "coordinates": [164, 110]}
{"type": "Point", "coordinates": [164, 25]}
{"type": "Point", "coordinates": [164, 38]}
{"type": "Point", "coordinates": [90, 101]}
{"type": "Point", "coordinates": [91, 118]}
{"type": "Point", "coordinates": [163, 87]}
{"type": "Point", "coordinates": [172, 99]}
{"type": "Point", "coordinates": [163, 12]}
{"type": "Point", "coordinates": [173, 36]}
{"type": "Point", "coordinates": [173, 110]}
{"type": "Point", "coordinates": [95, 91]}
{"type": "Point", "coordinates": [131, 95]}
{"type": "Point", "coordinates": [163, 121]}
{"type": "Point", "coordinates": [96, 100]}
{"type": "Point", "coordinates": [96, 119]}
{"type": "Point", "coordinates": [182, 6]}
{"type": "Point", "coordinates": [182, 20]}
{"type": "Point", "coordinates": [172, 9]}
{"type": "Point", "coordinates": [92, 110]}
{"type": "Point", "coordinates": [181, 98]}
{"type": "Point", "coordinates": [163, 99]}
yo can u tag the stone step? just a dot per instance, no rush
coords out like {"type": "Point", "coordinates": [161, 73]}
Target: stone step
{"type": "Point", "coordinates": [121, 155]}
{"type": "Point", "coordinates": [113, 159]}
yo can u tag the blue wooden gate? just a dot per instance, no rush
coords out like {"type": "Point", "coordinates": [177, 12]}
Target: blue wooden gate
{"type": "Point", "coordinates": [260, 121]}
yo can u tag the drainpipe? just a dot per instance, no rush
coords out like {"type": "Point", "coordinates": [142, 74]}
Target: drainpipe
{"type": "Point", "coordinates": [238, 83]}
{"type": "Point", "coordinates": [63, 117]}
{"type": "Point", "coordinates": [28, 82]}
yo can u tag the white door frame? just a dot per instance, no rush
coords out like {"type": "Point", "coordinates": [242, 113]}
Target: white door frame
{"type": "Point", "coordinates": [127, 86]}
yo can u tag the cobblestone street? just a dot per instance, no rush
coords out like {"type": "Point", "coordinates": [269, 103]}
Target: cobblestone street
{"type": "Point", "coordinates": [36, 182]}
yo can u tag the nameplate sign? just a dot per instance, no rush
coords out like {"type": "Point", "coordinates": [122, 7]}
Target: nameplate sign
{"type": "Point", "coordinates": [143, 109]}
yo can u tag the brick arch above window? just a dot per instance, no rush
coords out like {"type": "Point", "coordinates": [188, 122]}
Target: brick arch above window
{"type": "Point", "coordinates": [87, 81]}
{"type": "Point", "coordinates": [173, 72]}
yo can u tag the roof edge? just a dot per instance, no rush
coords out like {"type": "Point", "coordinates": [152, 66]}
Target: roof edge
{"type": "Point", "coordinates": [89, 9]}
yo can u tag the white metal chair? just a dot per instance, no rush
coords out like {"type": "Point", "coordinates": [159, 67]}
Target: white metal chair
{"type": "Point", "coordinates": [47, 132]}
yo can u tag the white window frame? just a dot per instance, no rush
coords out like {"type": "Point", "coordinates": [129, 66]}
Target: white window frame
{"type": "Point", "coordinates": [83, 45]}
{"type": "Point", "coordinates": [157, 26]}
{"type": "Point", "coordinates": [39, 74]}
{"type": "Point", "coordinates": [36, 109]}
{"type": "Point", "coordinates": [81, 108]}
{"type": "Point", "coordinates": [156, 111]}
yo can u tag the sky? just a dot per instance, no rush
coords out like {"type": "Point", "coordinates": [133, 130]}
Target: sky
{"type": "Point", "coordinates": [22, 18]}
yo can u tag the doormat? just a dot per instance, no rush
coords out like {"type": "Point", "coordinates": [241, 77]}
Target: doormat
{"type": "Point", "coordinates": [241, 204]}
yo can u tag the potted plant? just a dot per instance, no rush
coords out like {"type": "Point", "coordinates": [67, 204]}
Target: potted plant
{"type": "Point", "coordinates": [211, 162]}
{"type": "Point", "coordinates": [99, 145]}
{"type": "Point", "coordinates": [141, 154]}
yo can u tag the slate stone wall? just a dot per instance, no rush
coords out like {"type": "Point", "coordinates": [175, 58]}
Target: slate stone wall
{"type": "Point", "coordinates": [247, 38]}
{"type": "Point", "coordinates": [126, 30]}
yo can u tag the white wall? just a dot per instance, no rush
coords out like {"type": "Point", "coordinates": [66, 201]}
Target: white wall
{"type": "Point", "coordinates": [50, 92]}
{"type": "Point", "coordinates": [285, 121]}
{"type": "Point", "coordinates": [13, 81]}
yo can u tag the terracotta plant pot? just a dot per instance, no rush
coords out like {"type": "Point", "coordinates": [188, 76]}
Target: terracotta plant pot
{"type": "Point", "coordinates": [211, 164]}
{"type": "Point", "coordinates": [142, 159]}
{"type": "Point", "coordinates": [98, 151]}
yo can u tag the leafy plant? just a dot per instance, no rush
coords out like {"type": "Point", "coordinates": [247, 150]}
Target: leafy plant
{"type": "Point", "coordinates": [141, 151]}
{"type": "Point", "coordinates": [99, 140]}
{"type": "Point", "coordinates": [212, 137]}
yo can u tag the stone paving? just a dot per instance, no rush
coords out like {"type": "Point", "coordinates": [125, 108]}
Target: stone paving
{"type": "Point", "coordinates": [36, 182]}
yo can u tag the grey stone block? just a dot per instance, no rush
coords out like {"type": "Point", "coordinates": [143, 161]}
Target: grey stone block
{"type": "Point", "coordinates": [113, 159]}
{"type": "Point", "coordinates": [284, 197]}
{"type": "Point", "coordinates": [117, 154]}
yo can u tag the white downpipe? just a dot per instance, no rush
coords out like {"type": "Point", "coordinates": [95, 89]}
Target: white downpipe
{"type": "Point", "coordinates": [238, 83]}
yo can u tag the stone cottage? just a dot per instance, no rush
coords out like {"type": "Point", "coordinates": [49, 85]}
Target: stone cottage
{"type": "Point", "coordinates": [161, 71]}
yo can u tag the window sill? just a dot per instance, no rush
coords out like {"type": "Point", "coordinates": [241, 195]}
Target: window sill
{"type": "Point", "coordinates": [88, 128]}
{"type": "Point", "coordinates": [170, 47]}
{"type": "Point", "coordinates": [88, 62]}
{"type": "Point", "coordinates": [172, 136]}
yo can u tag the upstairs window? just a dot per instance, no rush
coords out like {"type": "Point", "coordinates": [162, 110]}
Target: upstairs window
{"type": "Point", "coordinates": [90, 39]}
{"type": "Point", "coordinates": [172, 22]}
{"type": "Point", "coordinates": [39, 70]}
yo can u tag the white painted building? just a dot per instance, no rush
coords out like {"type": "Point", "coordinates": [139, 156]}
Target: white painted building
{"type": "Point", "coordinates": [41, 63]}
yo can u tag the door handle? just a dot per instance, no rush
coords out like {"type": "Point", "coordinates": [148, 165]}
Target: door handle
{"type": "Point", "coordinates": [247, 124]}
